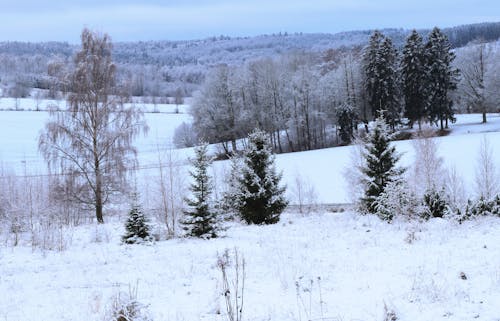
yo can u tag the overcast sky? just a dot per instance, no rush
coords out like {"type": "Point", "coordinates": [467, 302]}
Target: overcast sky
{"type": "Point", "coordinates": [128, 20]}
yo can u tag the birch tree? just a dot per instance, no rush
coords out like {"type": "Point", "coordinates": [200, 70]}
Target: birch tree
{"type": "Point", "coordinates": [90, 143]}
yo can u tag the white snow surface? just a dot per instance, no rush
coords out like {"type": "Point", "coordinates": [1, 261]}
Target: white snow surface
{"type": "Point", "coordinates": [335, 266]}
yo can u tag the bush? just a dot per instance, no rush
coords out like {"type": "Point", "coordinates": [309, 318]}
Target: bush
{"type": "Point", "coordinates": [481, 207]}
{"type": "Point", "coordinates": [434, 204]}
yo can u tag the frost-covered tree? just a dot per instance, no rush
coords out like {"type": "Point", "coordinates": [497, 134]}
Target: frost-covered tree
{"type": "Point", "coordinates": [487, 177]}
{"type": "Point", "coordinates": [428, 172]}
{"type": "Point", "coordinates": [91, 141]}
{"type": "Point", "coordinates": [380, 164]}
{"type": "Point", "coordinates": [200, 219]}
{"type": "Point", "coordinates": [413, 74]}
{"type": "Point", "coordinates": [479, 78]}
{"type": "Point", "coordinates": [441, 78]}
{"type": "Point", "coordinates": [217, 113]}
{"type": "Point", "coordinates": [136, 227]}
{"type": "Point", "coordinates": [397, 199]}
{"type": "Point", "coordinates": [260, 197]}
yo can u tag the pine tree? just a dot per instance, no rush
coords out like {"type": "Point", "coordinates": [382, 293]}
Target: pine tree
{"type": "Point", "coordinates": [136, 227]}
{"type": "Point", "coordinates": [261, 199]}
{"type": "Point", "coordinates": [380, 167]}
{"type": "Point", "coordinates": [413, 73]}
{"type": "Point", "coordinates": [201, 219]}
{"type": "Point", "coordinates": [441, 78]}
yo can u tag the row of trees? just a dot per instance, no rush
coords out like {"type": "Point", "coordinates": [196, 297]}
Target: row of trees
{"type": "Point", "coordinates": [386, 192]}
{"type": "Point", "coordinates": [254, 192]}
{"type": "Point", "coordinates": [422, 76]}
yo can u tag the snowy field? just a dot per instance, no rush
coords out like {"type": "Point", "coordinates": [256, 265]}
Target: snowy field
{"type": "Point", "coordinates": [332, 266]}
{"type": "Point", "coordinates": [320, 169]}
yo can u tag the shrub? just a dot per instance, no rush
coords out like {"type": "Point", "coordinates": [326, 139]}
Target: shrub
{"type": "Point", "coordinates": [434, 204]}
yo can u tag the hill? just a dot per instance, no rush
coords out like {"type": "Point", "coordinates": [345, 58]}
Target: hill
{"type": "Point", "coordinates": [160, 68]}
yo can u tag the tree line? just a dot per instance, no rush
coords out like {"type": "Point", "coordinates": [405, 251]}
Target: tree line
{"type": "Point", "coordinates": [308, 101]}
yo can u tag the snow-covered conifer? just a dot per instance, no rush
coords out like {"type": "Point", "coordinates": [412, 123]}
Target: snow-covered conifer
{"type": "Point", "coordinates": [136, 228]}
{"type": "Point", "coordinates": [434, 203]}
{"type": "Point", "coordinates": [200, 219]}
{"type": "Point", "coordinates": [380, 164]}
{"type": "Point", "coordinates": [261, 198]}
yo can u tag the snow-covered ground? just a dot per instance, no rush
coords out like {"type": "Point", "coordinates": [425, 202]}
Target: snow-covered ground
{"type": "Point", "coordinates": [331, 266]}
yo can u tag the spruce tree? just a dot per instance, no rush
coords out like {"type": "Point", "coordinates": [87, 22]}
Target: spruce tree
{"type": "Point", "coordinates": [381, 77]}
{"type": "Point", "coordinates": [380, 164]}
{"type": "Point", "coordinates": [413, 73]}
{"type": "Point", "coordinates": [371, 58]}
{"type": "Point", "coordinates": [200, 219]}
{"type": "Point", "coordinates": [136, 227]}
{"type": "Point", "coordinates": [261, 198]}
{"type": "Point", "coordinates": [441, 78]}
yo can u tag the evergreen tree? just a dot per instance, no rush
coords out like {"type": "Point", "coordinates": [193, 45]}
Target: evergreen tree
{"type": "Point", "coordinates": [441, 78]}
{"type": "Point", "coordinates": [413, 73]}
{"type": "Point", "coordinates": [136, 227]}
{"type": "Point", "coordinates": [346, 119]}
{"type": "Point", "coordinates": [261, 198]}
{"type": "Point", "coordinates": [201, 219]}
{"type": "Point", "coordinates": [380, 167]}
{"type": "Point", "coordinates": [381, 80]}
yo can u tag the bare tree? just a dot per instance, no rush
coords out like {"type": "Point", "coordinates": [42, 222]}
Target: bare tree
{"type": "Point", "coordinates": [92, 140]}
{"type": "Point", "coordinates": [428, 171]}
{"type": "Point", "coordinates": [487, 177]}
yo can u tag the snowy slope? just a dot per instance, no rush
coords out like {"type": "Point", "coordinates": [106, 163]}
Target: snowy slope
{"type": "Point", "coordinates": [322, 169]}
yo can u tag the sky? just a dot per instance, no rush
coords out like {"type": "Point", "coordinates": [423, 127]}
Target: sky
{"type": "Point", "coordinates": [133, 20]}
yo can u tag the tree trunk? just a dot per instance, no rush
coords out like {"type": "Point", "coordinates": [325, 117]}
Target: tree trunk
{"type": "Point", "coordinates": [98, 202]}
{"type": "Point", "coordinates": [484, 117]}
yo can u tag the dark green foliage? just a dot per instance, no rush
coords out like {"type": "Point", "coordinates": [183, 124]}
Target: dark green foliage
{"type": "Point", "coordinates": [200, 219]}
{"type": "Point", "coordinates": [346, 120]}
{"type": "Point", "coordinates": [381, 77]}
{"type": "Point", "coordinates": [441, 78]}
{"type": "Point", "coordinates": [260, 198]}
{"type": "Point", "coordinates": [413, 73]}
{"type": "Point", "coordinates": [136, 227]}
{"type": "Point", "coordinates": [435, 204]}
{"type": "Point", "coordinates": [481, 207]}
{"type": "Point", "coordinates": [380, 168]}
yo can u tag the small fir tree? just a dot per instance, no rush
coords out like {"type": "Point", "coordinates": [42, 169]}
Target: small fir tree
{"type": "Point", "coordinates": [261, 198]}
{"type": "Point", "coordinates": [380, 164]}
{"type": "Point", "coordinates": [136, 227]}
{"type": "Point", "coordinates": [200, 219]}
